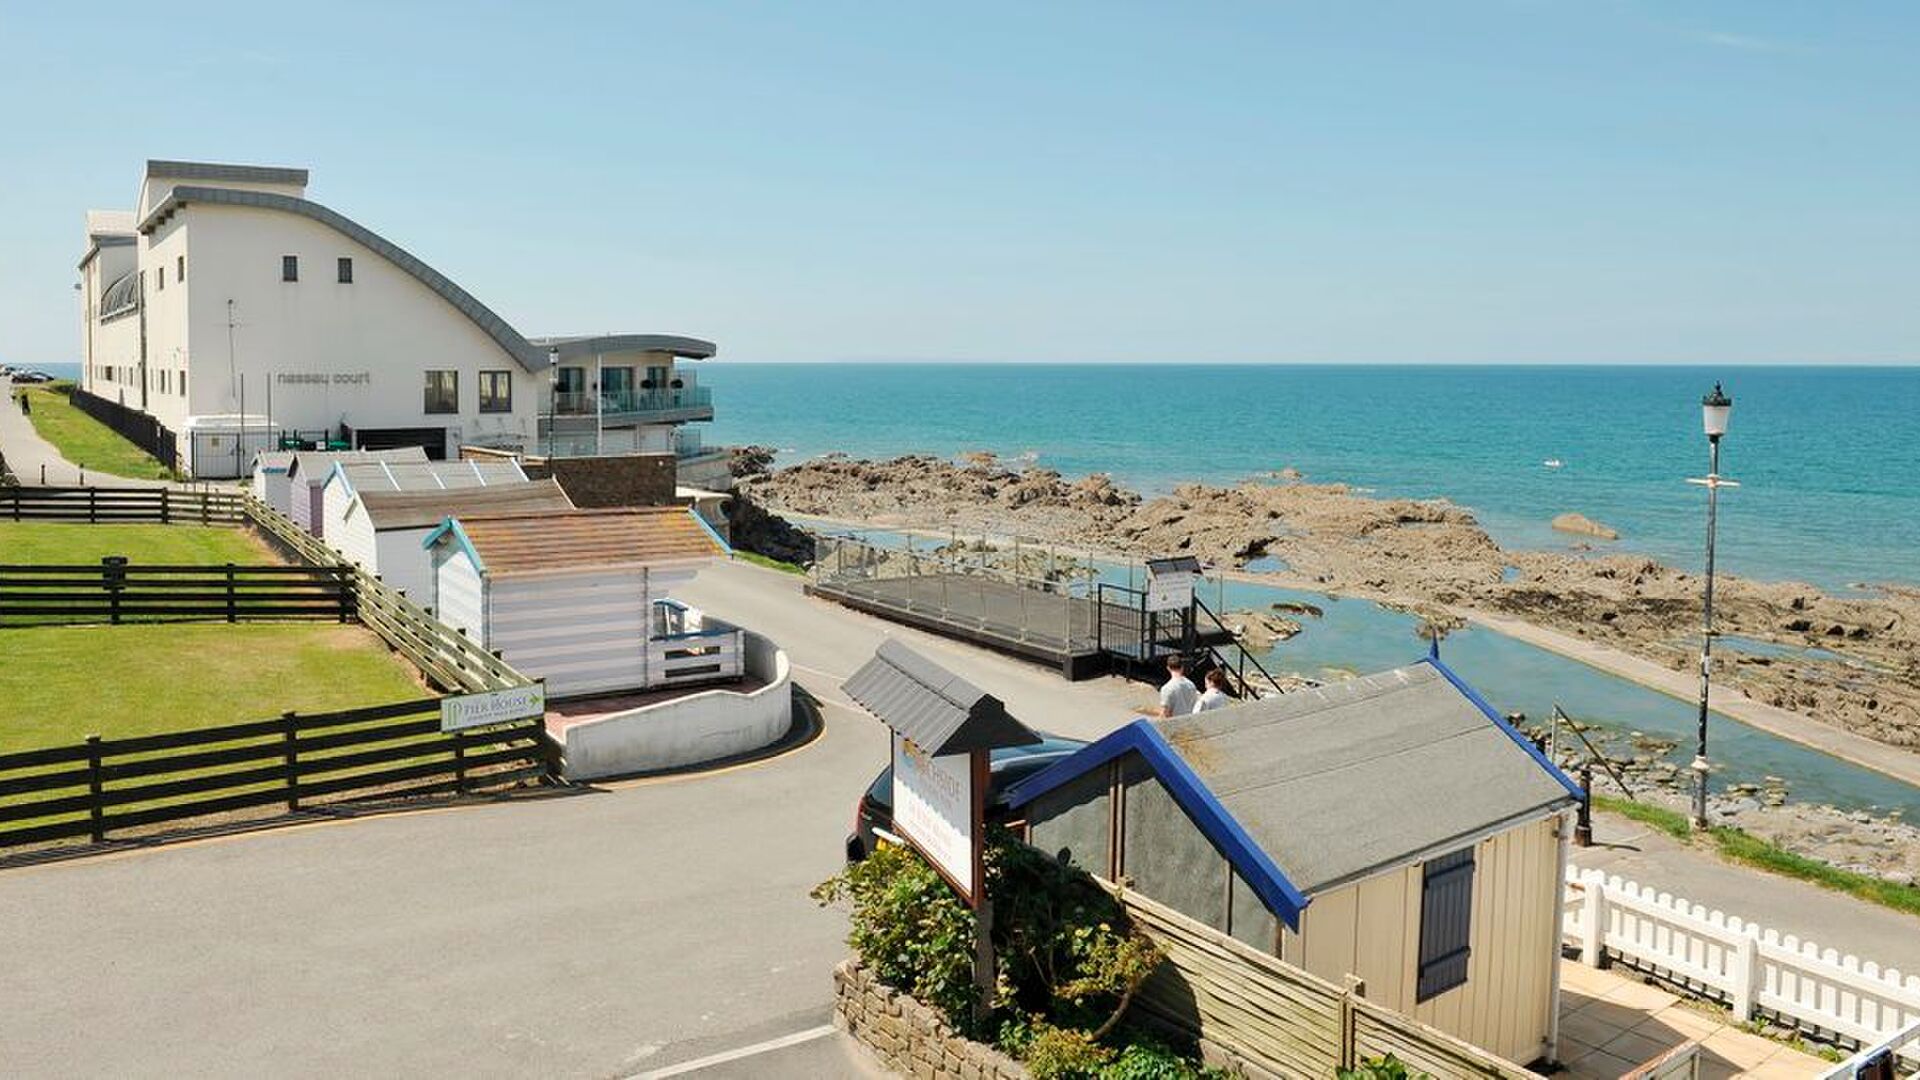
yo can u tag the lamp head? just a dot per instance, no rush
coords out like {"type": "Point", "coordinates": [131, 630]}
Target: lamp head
{"type": "Point", "coordinates": [1715, 408]}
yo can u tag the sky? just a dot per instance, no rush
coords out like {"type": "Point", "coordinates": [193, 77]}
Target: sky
{"type": "Point", "coordinates": [1515, 182]}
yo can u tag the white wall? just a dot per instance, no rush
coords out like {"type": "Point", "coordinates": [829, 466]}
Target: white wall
{"type": "Point", "coordinates": [700, 727]}
{"type": "Point", "coordinates": [404, 564]}
{"type": "Point", "coordinates": [459, 597]}
{"type": "Point", "coordinates": [351, 534]}
{"type": "Point", "coordinates": [584, 632]}
{"type": "Point", "coordinates": [385, 326]}
{"type": "Point", "coordinates": [270, 487]}
{"type": "Point", "coordinates": [167, 327]}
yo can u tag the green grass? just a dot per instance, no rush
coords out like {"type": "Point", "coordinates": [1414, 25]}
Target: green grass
{"type": "Point", "coordinates": [758, 559]}
{"type": "Point", "coordinates": [85, 441]}
{"type": "Point", "coordinates": [1744, 848]}
{"type": "Point", "coordinates": [164, 545]}
{"type": "Point", "coordinates": [63, 683]}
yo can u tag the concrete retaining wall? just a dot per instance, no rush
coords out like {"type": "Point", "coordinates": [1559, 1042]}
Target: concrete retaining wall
{"type": "Point", "coordinates": [909, 1038]}
{"type": "Point", "coordinates": [700, 727]}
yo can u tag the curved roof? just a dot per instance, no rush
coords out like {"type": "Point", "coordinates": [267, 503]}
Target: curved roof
{"type": "Point", "coordinates": [463, 301]}
{"type": "Point", "coordinates": [214, 170]}
{"type": "Point", "coordinates": [122, 295]}
{"type": "Point", "coordinates": [590, 344]}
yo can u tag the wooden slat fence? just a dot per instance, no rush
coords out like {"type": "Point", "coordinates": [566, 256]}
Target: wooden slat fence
{"type": "Point", "coordinates": [1260, 1009]}
{"type": "Point", "coordinates": [448, 657]}
{"type": "Point", "coordinates": [122, 506]}
{"type": "Point", "coordinates": [115, 591]}
{"type": "Point", "coordinates": [101, 787]}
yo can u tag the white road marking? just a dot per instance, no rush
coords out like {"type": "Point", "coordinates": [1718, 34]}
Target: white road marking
{"type": "Point", "coordinates": [737, 1053]}
{"type": "Point", "coordinates": [822, 674]}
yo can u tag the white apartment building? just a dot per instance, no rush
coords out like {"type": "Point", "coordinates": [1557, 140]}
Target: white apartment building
{"type": "Point", "coordinates": [227, 302]}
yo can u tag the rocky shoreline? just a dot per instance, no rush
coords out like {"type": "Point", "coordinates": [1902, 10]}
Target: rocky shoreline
{"type": "Point", "coordinates": [1850, 662]}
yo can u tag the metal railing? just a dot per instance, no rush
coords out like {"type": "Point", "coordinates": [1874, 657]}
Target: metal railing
{"type": "Point", "coordinates": [959, 591]}
{"type": "Point", "coordinates": [631, 402]}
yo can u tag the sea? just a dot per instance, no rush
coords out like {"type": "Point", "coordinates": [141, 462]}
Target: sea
{"type": "Point", "coordinates": [1828, 458]}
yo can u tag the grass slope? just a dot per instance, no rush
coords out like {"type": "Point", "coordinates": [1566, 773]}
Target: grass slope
{"type": "Point", "coordinates": [63, 683]}
{"type": "Point", "coordinates": [85, 441]}
{"type": "Point", "coordinates": [170, 545]}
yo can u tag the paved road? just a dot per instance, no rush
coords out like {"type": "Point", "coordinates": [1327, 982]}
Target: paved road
{"type": "Point", "coordinates": [602, 934]}
{"type": "Point", "coordinates": [26, 452]}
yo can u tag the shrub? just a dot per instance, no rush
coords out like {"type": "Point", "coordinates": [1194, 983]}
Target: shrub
{"type": "Point", "coordinates": [1381, 1068]}
{"type": "Point", "coordinates": [1057, 1053]}
{"type": "Point", "coordinates": [910, 928]}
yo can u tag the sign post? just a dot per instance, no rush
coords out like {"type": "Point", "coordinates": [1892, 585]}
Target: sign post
{"type": "Point", "coordinates": [944, 730]}
{"type": "Point", "coordinates": [461, 711]}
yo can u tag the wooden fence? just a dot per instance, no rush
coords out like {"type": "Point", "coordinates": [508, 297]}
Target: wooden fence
{"type": "Point", "coordinates": [106, 786]}
{"type": "Point", "coordinates": [120, 591]}
{"type": "Point", "coordinates": [122, 506]}
{"type": "Point", "coordinates": [1755, 971]}
{"type": "Point", "coordinates": [137, 427]}
{"type": "Point", "coordinates": [448, 657]}
{"type": "Point", "coordinates": [1221, 991]}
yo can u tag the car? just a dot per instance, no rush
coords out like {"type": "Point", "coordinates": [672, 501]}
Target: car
{"type": "Point", "coordinates": [1006, 767]}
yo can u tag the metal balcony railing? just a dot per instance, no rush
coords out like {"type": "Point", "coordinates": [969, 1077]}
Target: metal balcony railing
{"type": "Point", "coordinates": [632, 402]}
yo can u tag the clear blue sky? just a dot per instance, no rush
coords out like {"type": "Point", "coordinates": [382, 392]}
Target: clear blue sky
{"type": "Point", "coordinates": [1518, 181]}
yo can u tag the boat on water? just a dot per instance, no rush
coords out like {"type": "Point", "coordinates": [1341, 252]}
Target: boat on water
{"type": "Point", "coordinates": [1552, 463]}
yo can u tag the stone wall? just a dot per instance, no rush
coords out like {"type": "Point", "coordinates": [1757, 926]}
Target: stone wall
{"type": "Point", "coordinates": [909, 1038]}
{"type": "Point", "coordinates": [597, 482]}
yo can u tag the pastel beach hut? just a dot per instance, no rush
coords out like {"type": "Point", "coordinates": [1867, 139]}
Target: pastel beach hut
{"type": "Point", "coordinates": [384, 531]}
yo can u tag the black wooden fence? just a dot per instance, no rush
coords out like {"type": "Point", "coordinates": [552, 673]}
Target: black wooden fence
{"type": "Point", "coordinates": [118, 591]}
{"type": "Point", "coordinates": [132, 425]}
{"type": "Point", "coordinates": [122, 506]}
{"type": "Point", "coordinates": [100, 787]}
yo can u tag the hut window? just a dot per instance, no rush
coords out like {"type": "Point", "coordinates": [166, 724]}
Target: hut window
{"type": "Point", "coordinates": [1446, 918]}
{"type": "Point", "coordinates": [496, 391]}
{"type": "Point", "coordinates": [443, 392]}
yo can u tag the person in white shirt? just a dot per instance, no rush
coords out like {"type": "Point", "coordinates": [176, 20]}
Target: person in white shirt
{"type": "Point", "coordinates": [1178, 696]}
{"type": "Point", "coordinates": [1215, 696]}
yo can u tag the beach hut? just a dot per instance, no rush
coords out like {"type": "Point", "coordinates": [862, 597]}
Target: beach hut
{"type": "Point", "coordinates": [307, 478]}
{"type": "Point", "coordinates": [270, 477]}
{"type": "Point", "coordinates": [384, 530]}
{"type": "Point", "coordinates": [350, 479]}
{"type": "Point", "coordinates": [581, 600]}
{"type": "Point", "coordinates": [1393, 828]}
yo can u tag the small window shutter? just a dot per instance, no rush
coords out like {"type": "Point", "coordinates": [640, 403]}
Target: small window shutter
{"type": "Point", "coordinates": [1446, 919]}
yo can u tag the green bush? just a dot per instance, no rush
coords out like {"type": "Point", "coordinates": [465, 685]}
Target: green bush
{"type": "Point", "coordinates": [910, 928]}
{"type": "Point", "coordinates": [1381, 1068]}
{"type": "Point", "coordinates": [1057, 1053]}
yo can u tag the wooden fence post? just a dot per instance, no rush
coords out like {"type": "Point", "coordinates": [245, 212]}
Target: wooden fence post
{"type": "Point", "coordinates": [231, 614]}
{"type": "Point", "coordinates": [459, 761]}
{"type": "Point", "coordinates": [288, 726]}
{"type": "Point", "coordinates": [1745, 970]}
{"type": "Point", "coordinates": [95, 786]}
{"type": "Point", "coordinates": [113, 578]}
{"type": "Point", "coordinates": [1348, 1036]}
{"type": "Point", "coordinates": [93, 512]}
{"type": "Point", "coordinates": [1593, 921]}
{"type": "Point", "coordinates": [166, 516]}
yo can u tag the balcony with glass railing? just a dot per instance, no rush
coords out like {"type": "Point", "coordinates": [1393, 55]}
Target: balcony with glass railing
{"type": "Point", "coordinates": [685, 403]}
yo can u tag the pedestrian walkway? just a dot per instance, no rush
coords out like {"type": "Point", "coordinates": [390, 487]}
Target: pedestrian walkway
{"type": "Point", "coordinates": [36, 461]}
{"type": "Point", "coordinates": [1610, 1025]}
{"type": "Point", "coordinates": [1833, 920]}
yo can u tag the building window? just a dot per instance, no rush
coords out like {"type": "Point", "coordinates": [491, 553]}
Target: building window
{"type": "Point", "coordinates": [443, 392]}
{"type": "Point", "coordinates": [346, 270]}
{"type": "Point", "coordinates": [289, 268]}
{"type": "Point", "coordinates": [1446, 922]}
{"type": "Point", "coordinates": [180, 268]}
{"type": "Point", "coordinates": [183, 382]}
{"type": "Point", "coordinates": [160, 280]}
{"type": "Point", "coordinates": [496, 391]}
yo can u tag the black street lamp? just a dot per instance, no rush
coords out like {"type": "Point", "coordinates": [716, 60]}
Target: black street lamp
{"type": "Point", "coordinates": [553, 394]}
{"type": "Point", "coordinates": [1715, 408]}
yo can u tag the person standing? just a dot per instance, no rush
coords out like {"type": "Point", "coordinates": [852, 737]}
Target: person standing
{"type": "Point", "coordinates": [1215, 696]}
{"type": "Point", "coordinates": [1178, 696]}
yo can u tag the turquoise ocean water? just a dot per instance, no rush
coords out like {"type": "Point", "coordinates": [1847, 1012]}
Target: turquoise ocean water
{"type": "Point", "coordinates": [1828, 459]}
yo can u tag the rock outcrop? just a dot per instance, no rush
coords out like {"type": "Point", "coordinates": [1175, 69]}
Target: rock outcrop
{"type": "Point", "coordinates": [1582, 525]}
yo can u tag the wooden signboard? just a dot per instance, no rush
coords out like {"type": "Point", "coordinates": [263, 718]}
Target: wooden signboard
{"type": "Point", "coordinates": [939, 806]}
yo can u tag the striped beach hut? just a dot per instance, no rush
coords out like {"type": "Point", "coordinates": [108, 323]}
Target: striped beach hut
{"type": "Point", "coordinates": [307, 479]}
{"type": "Point", "coordinates": [351, 479]}
{"type": "Point", "coordinates": [1392, 827]}
{"type": "Point", "coordinates": [581, 599]}
{"type": "Point", "coordinates": [384, 531]}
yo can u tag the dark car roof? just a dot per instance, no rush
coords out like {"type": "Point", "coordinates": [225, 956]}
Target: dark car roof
{"type": "Point", "coordinates": [881, 789]}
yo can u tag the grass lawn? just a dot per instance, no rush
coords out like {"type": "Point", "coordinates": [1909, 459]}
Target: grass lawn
{"type": "Point", "coordinates": [63, 683]}
{"type": "Point", "coordinates": [166, 545]}
{"type": "Point", "coordinates": [85, 441]}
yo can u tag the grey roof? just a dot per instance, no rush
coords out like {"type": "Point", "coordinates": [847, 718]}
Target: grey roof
{"type": "Point", "coordinates": [1340, 781]}
{"type": "Point", "coordinates": [273, 460]}
{"type": "Point", "coordinates": [98, 240]}
{"type": "Point", "coordinates": [575, 347]}
{"type": "Point", "coordinates": [365, 476]}
{"type": "Point", "coordinates": [121, 294]}
{"type": "Point", "coordinates": [210, 170]}
{"type": "Point", "coordinates": [937, 710]}
{"type": "Point", "coordinates": [1173, 564]}
{"type": "Point", "coordinates": [425, 509]}
{"type": "Point", "coordinates": [479, 314]}
{"type": "Point", "coordinates": [316, 464]}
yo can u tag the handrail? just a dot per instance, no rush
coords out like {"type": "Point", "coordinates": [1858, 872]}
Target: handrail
{"type": "Point", "coordinates": [1878, 1057]}
{"type": "Point", "coordinates": [1245, 656]}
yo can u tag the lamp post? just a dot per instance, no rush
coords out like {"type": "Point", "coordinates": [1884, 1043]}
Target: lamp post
{"type": "Point", "coordinates": [1715, 408]}
{"type": "Point", "coordinates": [553, 394]}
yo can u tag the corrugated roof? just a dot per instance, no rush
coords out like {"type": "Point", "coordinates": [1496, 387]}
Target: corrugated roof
{"type": "Point", "coordinates": [939, 711]}
{"type": "Point", "coordinates": [368, 476]}
{"type": "Point", "coordinates": [579, 539]}
{"type": "Point", "coordinates": [1339, 781]}
{"type": "Point", "coordinates": [424, 509]}
{"type": "Point", "coordinates": [318, 463]}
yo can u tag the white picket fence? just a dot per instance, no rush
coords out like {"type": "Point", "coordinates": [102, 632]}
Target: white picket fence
{"type": "Point", "coordinates": [1753, 970]}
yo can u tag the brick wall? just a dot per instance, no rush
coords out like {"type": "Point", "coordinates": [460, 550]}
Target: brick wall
{"type": "Point", "coordinates": [909, 1038]}
{"type": "Point", "coordinates": [597, 482]}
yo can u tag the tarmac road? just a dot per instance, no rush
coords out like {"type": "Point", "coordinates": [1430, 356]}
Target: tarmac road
{"type": "Point", "coordinates": [611, 933]}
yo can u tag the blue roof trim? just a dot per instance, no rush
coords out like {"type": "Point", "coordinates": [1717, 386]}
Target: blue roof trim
{"type": "Point", "coordinates": [711, 533]}
{"type": "Point", "coordinates": [1499, 721]}
{"type": "Point", "coordinates": [1251, 861]}
{"type": "Point", "coordinates": [452, 525]}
